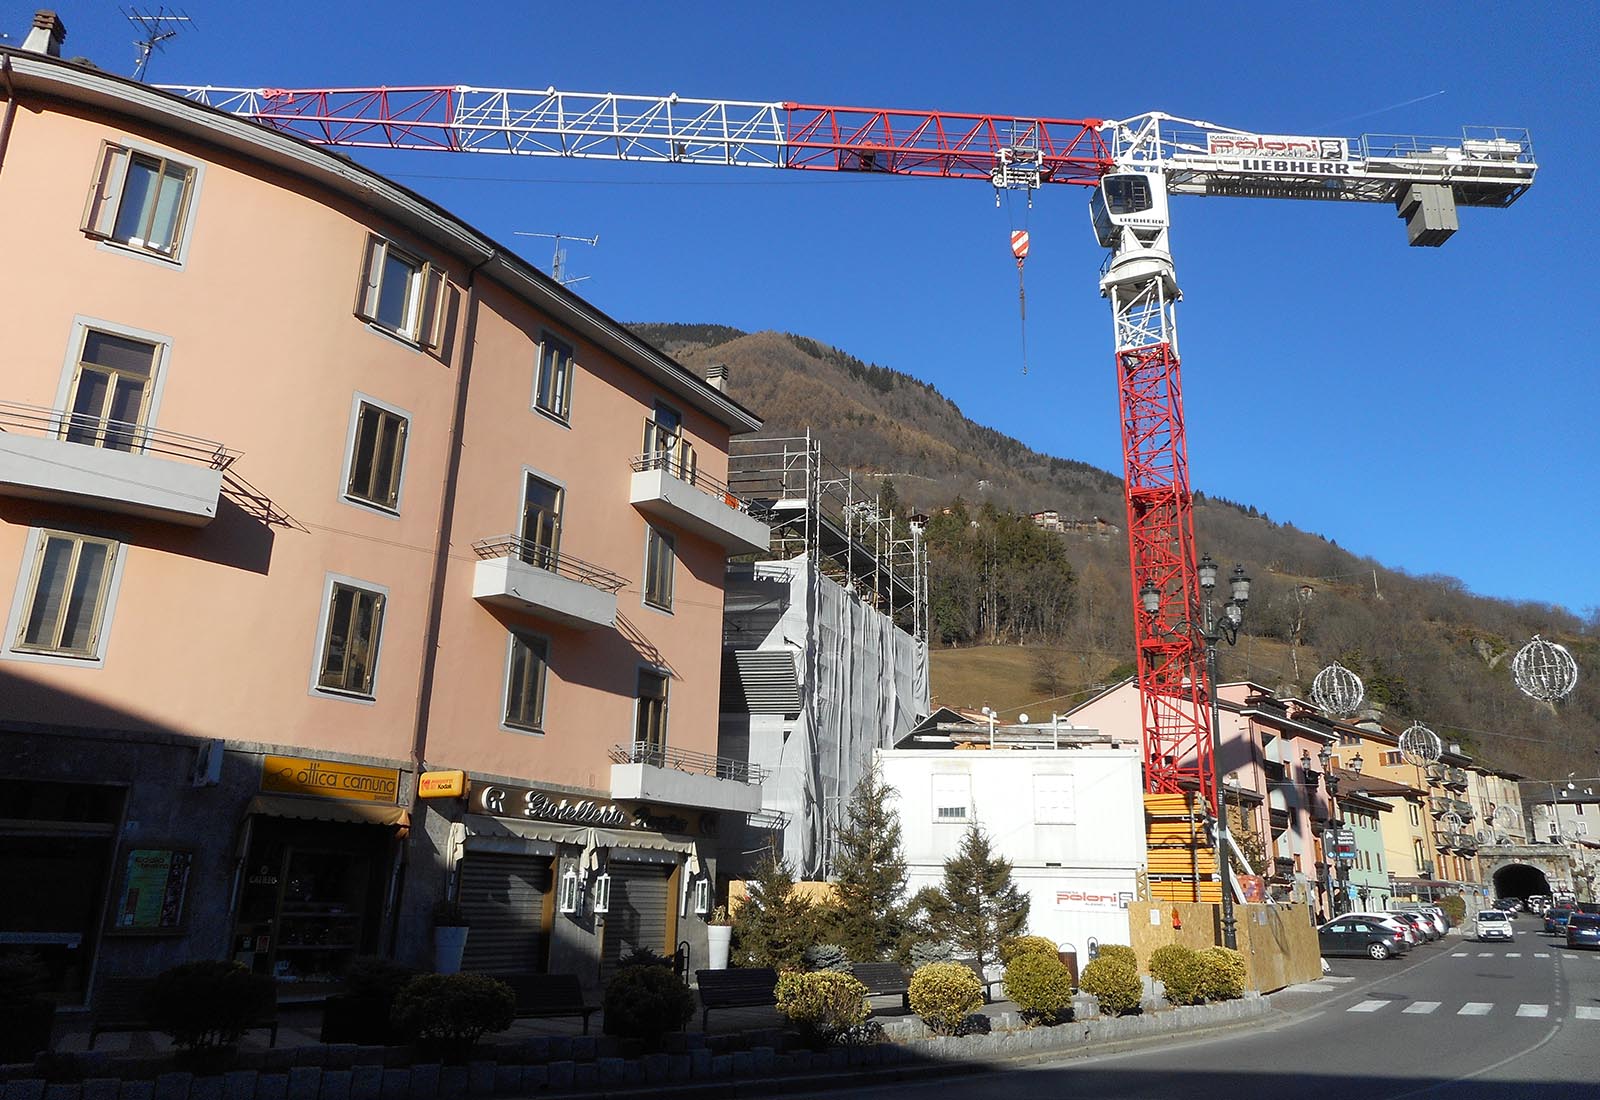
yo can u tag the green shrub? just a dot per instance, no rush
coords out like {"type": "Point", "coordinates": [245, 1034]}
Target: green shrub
{"type": "Point", "coordinates": [451, 1012]}
{"type": "Point", "coordinates": [209, 1004]}
{"type": "Point", "coordinates": [1113, 983]}
{"type": "Point", "coordinates": [944, 994]}
{"type": "Point", "coordinates": [646, 1002]}
{"type": "Point", "coordinates": [1454, 908]}
{"type": "Point", "coordinates": [825, 956]}
{"type": "Point", "coordinates": [362, 1013]}
{"type": "Point", "coordinates": [1119, 951]}
{"type": "Point", "coordinates": [1222, 974]}
{"type": "Point", "coordinates": [643, 956]}
{"type": "Point", "coordinates": [1041, 986]}
{"type": "Point", "coordinates": [1020, 945]}
{"type": "Point", "coordinates": [924, 952]}
{"type": "Point", "coordinates": [1178, 968]}
{"type": "Point", "coordinates": [824, 1005]}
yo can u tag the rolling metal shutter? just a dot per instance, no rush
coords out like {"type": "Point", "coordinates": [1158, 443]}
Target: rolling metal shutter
{"type": "Point", "coordinates": [638, 916]}
{"type": "Point", "coordinates": [503, 898]}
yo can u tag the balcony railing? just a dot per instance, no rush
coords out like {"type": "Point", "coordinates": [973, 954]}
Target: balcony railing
{"type": "Point", "coordinates": [1283, 867]}
{"type": "Point", "coordinates": [1455, 777]}
{"type": "Point", "coordinates": [689, 474]}
{"type": "Point", "coordinates": [113, 435]}
{"type": "Point", "coordinates": [542, 557]}
{"type": "Point", "coordinates": [683, 760]}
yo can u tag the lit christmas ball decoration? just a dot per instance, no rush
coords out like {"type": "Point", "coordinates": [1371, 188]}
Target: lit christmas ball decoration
{"type": "Point", "coordinates": [1544, 670]}
{"type": "Point", "coordinates": [1338, 691]}
{"type": "Point", "coordinates": [1420, 745]}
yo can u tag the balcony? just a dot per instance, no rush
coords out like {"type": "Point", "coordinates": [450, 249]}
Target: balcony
{"type": "Point", "coordinates": [1455, 777]}
{"type": "Point", "coordinates": [527, 578]}
{"type": "Point", "coordinates": [110, 465]}
{"type": "Point", "coordinates": [1283, 869]}
{"type": "Point", "coordinates": [1435, 774]}
{"type": "Point", "coordinates": [1461, 809]}
{"type": "Point", "coordinates": [678, 777]}
{"type": "Point", "coordinates": [1439, 806]}
{"type": "Point", "coordinates": [665, 487]}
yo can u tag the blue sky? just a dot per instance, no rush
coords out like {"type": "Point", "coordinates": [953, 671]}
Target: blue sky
{"type": "Point", "coordinates": [1434, 409]}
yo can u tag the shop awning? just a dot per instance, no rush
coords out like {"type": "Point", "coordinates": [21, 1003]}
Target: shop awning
{"type": "Point", "coordinates": [329, 809]}
{"type": "Point", "coordinates": [486, 832]}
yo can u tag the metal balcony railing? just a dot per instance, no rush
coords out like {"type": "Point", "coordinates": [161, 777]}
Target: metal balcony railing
{"type": "Point", "coordinates": [1438, 806]}
{"type": "Point", "coordinates": [683, 760]}
{"type": "Point", "coordinates": [689, 474]}
{"type": "Point", "coordinates": [113, 435]}
{"type": "Point", "coordinates": [1455, 777]}
{"type": "Point", "coordinates": [542, 557]}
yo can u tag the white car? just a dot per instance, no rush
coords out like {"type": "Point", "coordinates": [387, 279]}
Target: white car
{"type": "Point", "coordinates": [1492, 924]}
{"type": "Point", "coordinates": [1432, 914]}
{"type": "Point", "coordinates": [1389, 922]}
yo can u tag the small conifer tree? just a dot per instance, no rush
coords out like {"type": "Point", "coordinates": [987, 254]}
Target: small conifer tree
{"type": "Point", "coordinates": [978, 907]}
{"type": "Point", "coordinates": [774, 924]}
{"type": "Point", "coordinates": [870, 874]}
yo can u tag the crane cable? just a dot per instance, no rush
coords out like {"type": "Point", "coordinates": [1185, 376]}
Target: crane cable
{"type": "Point", "coordinates": [1019, 249]}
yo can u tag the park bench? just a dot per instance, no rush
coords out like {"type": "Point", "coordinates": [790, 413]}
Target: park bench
{"type": "Point", "coordinates": [123, 1004]}
{"type": "Point", "coordinates": [548, 995]}
{"type": "Point", "coordinates": [884, 980]}
{"type": "Point", "coordinates": [741, 987]}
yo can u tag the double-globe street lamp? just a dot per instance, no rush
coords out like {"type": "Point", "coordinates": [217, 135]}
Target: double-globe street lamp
{"type": "Point", "coordinates": [1211, 629]}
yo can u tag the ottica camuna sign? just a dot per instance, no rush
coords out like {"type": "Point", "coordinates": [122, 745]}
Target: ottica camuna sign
{"type": "Point", "coordinates": [329, 779]}
{"type": "Point", "coordinates": [442, 784]}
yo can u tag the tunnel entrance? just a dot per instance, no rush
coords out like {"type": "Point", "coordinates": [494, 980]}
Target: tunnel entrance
{"type": "Point", "coordinates": [1520, 881]}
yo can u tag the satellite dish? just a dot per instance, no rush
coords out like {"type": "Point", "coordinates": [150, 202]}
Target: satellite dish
{"type": "Point", "coordinates": [1545, 671]}
{"type": "Point", "coordinates": [1338, 691]}
{"type": "Point", "coordinates": [1420, 745]}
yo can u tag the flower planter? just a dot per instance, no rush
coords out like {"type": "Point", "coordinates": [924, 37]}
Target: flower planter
{"type": "Point", "coordinates": [718, 939]}
{"type": "Point", "coordinates": [449, 943]}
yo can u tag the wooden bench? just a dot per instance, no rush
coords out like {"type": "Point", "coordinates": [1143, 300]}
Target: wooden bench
{"type": "Point", "coordinates": [741, 987]}
{"type": "Point", "coordinates": [123, 1004]}
{"type": "Point", "coordinates": [548, 995]}
{"type": "Point", "coordinates": [884, 980]}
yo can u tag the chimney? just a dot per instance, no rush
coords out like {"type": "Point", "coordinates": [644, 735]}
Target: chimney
{"type": "Point", "coordinates": [47, 34]}
{"type": "Point", "coordinates": [717, 377]}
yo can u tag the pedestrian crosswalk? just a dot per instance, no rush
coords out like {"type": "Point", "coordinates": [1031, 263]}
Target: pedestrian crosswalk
{"type": "Point", "coordinates": [1570, 956]}
{"type": "Point", "coordinates": [1470, 1008]}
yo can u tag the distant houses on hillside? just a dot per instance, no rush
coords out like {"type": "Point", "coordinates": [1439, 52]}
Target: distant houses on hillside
{"type": "Point", "coordinates": [1051, 521]}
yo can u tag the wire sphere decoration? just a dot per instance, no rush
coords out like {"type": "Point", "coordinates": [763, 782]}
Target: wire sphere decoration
{"type": "Point", "coordinates": [1338, 691]}
{"type": "Point", "coordinates": [1545, 671]}
{"type": "Point", "coordinates": [1504, 817]}
{"type": "Point", "coordinates": [1420, 745]}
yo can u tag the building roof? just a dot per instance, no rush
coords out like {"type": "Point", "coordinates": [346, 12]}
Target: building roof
{"type": "Point", "coordinates": [33, 76]}
{"type": "Point", "coordinates": [1373, 786]}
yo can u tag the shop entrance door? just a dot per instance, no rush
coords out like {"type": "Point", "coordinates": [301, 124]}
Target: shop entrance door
{"type": "Point", "coordinates": [504, 897]}
{"type": "Point", "coordinates": [638, 915]}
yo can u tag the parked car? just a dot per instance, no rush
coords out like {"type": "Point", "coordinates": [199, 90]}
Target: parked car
{"type": "Point", "coordinates": [1420, 923]}
{"type": "Point", "coordinates": [1583, 930]}
{"type": "Point", "coordinates": [1538, 903]}
{"type": "Point", "coordinates": [1513, 905]}
{"type": "Point", "coordinates": [1436, 919]}
{"type": "Point", "coordinates": [1360, 935]}
{"type": "Point", "coordinates": [1406, 929]}
{"type": "Point", "coordinates": [1492, 924]}
{"type": "Point", "coordinates": [1555, 919]}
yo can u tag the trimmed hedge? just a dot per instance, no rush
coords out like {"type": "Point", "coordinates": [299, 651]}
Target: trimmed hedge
{"type": "Point", "coordinates": [1114, 983]}
{"type": "Point", "coordinates": [1040, 985]}
{"type": "Point", "coordinates": [1178, 968]}
{"type": "Point", "coordinates": [451, 1012]}
{"type": "Point", "coordinates": [646, 1002]}
{"type": "Point", "coordinates": [945, 994]}
{"type": "Point", "coordinates": [1119, 951]}
{"type": "Point", "coordinates": [1222, 974]}
{"type": "Point", "coordinates": [210, 1003]}
{"type": "Point", "coordinates": [1019, 945]}
{"type": "Point", "coordinates": [824, 1004]}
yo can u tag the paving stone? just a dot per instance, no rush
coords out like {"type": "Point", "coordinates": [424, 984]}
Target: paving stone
{"type": "Point", "coordinates": [204, 1088]}
{"type": "Point", "coordinates": [699, 1064]}
{"type": "Point", "coordinates": [366, 1083]}
{"type": "Point", "coordinates": [305, 1083]}
{"type": "Point", "coordinates": [480, 1078]}
{"type": "Point", "coordinates": [63, 1092]}
{"type": "Point", "coordinates": [269, 1086]}
{"type": "Point", "coordinates": [453, 1082]}
{"type": "Point", "coordinates": [534, 1078]}
{"type": "Point", "coordinates": [26, 1088]}
{"type": "Point", "coordinates": [396, 1084]}
{"type": "Point", "coordinates": [585, 1075]}
{"type": "Point", "coordinates": [744, 1063]}
{"type": "Point", "coordinates": [339, 1055]}
{"type": "Point", "coordinates": [175, 1086]}
{"type": "Point", "coordinates": [131, 1090]}
{"type": "Point", "coordinates": [722, 1065]}
{"type": "Point", "coordinates": [633, 1073]}
{"type": "Point", "coordinates": [763, 1060]}
{"type": "Point", "coordinates": [561, 1048]}
{"type": "Point", "coordinates": [105, 1088]}
{"type": "Point", "coordinates": [507, 1080]}
{"type": "Point", "coordinates": [335, 1084]}
{"type": "Point", "coordinates": [239, 1084]}
{"type": "Point", "coordinates": [561, 1074]}
{"type": "Point", "coordinates": [679, 1067]}
{"type": "Point", "coordinates": [424, 1081]}
{"type": "Point", "coordinates": [277, 1059]}
{"type": "Point", "coordinates": [656, 1068]}
{"type": "Point", "coordinates": [585, 1048]}
{"type": "Point", "coordinates": [610, 1070]}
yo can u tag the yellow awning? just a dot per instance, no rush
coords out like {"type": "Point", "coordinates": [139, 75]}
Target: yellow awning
{"type": "Point", "coordinates": [329, 809]}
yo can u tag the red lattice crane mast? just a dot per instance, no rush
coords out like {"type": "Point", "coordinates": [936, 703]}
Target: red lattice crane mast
{"type": "Point", "coordinates": [1133, 166]}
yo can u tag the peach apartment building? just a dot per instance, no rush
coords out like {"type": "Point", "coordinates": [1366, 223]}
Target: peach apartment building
{"type": "Point", "coordinates": [308, 488]}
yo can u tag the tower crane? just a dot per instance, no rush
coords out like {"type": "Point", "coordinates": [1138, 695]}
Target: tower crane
{"type": "Point", "coordinates": [1132, 166]}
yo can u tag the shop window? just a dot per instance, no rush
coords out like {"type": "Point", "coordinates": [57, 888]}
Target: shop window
{"type": "Point", "coordinates": [352, 630]}
{"type": "Point", "coordinates": [650, 712]}
{"type": "Point", "coordinates": [402, 294]}
{"type": "Point", "coordinates": [525, 680]}
{"type": "Point", "coordinates": [66, 596]}
{"type": "Point", "coordinates": [552, 388]}
{"type": "Point", "coordinates": [377, 455]}
{"type": "Point", "coordinates": [139, 200]}
{"type": "Point", "coordinates": [660, 556]}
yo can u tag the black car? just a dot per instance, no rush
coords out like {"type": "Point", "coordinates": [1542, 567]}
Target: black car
{"type": "Point", "coordinates": [1359, 936]}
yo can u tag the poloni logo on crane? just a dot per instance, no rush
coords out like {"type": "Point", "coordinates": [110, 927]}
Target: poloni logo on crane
{"type": "Point", "coordinates": [1133, 167]}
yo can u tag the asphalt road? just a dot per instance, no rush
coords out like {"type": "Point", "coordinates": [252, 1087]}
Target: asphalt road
{"type": "Point", "coordinates": [1454, 1019]}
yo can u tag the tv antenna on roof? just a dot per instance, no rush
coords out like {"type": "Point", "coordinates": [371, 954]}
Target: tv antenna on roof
{"type": "Point", "coordinates": [558, 262]}
{"type": "Point", "coordinates": [158, 26]}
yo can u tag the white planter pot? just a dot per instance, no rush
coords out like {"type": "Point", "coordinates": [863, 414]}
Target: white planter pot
{"type": "Point", "coordinates": [718, 937]}
{"type": "Point", "coordinates": [449, 942]}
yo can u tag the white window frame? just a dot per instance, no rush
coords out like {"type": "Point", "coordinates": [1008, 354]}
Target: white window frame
{"type": "Point", "coordinates": [320, 640]}
{"type": "Point", "coordinates": [350, 456]}
{"type": "Point", "coordinates": [652, 534]}
{"type": "Point", "coordinates": [22, 596]}
{"type": "Point", "coordinates": [106, 193]}
{"type": "Point", "coordinates": [512, 636]}
{"type": "Point", "coordinates": [1043, 814]}
{"type": "Point", "coordinates": [563, 413]}
{"type": "Point", "coordinates": [79, 332]}
{"type": "Point", "coordinates": [949, 780]}
{"type": "Point", "coordinates": [427, 306]}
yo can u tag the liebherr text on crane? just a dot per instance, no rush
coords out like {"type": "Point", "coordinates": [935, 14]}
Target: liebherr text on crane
{"type": "Point", "coordinates": [1134, 165]}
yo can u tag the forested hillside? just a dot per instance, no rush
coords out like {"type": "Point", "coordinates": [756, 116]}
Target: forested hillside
{"type": "Point", "coordinates": [1428, 649]}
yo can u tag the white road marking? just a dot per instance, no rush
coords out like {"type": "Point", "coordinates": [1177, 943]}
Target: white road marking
{"type": "Point", "coordinates": [1540, 955]}
{"type": "Point", "coordinates": [1421, 1008]}
{"type": "Point", "coordinates": [1459, 955]}
{"type": "Point", "coordinates": [1485, 954]}
{"type": "Point", "coordinates": [1367, 1006]}
{"type": "Point", "coordinates": [1566, 956]}
{"type": "Point", "coordinates": [1513, 954]}
{"type": "Point", "coordinates": [1587, 1012]}
{"type": "Point", "coordinates": [1475, 1008]}
{"type": "Point", "coordinates": [1533, 1010]}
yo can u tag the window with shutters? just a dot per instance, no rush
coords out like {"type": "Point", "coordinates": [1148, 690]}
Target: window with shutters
{"type": "Point", "coordinates": [377, 454]}
{"type": "Point", "coordinates": [666, 446]}
{"type": "Point", "coordinates": [1393, 759]}
{"type": "Point", "coordinates": [108, 399]}
{"type": "Point", "coordinates": [402, 294]}
{"type": "Point", "coordinates": [140, 200]}
{"type": "Point", "coordinates": [65, 596]}
{"type": "Point", "coordinates": [1053, 800]}
{"type": "Point", "coordinates": [952, 798]}
{"type": "Point", "coordinates": [352, 628]}
{"type": "Point", "coordinates": [552, 385]}
{"type": "Point", "coordinates": [650, 711]}
{"type": "Point", "coordinates": [660, 556]}
{"type": "Point", "coordinates": [525, 677]}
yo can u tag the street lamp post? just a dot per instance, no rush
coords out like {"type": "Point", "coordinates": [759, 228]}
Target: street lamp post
{"type": "Point", "coordinates": [1340, 900]}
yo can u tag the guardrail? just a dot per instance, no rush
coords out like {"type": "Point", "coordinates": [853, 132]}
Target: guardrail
{"type": "Point", "coordinates": [542, 557]}
{"type": "Point", "coordinates": [689, 475]}
{"type": "Point", "coordinates": [683, 760]}
{"type": "Point", "coordinates": [113, 435]}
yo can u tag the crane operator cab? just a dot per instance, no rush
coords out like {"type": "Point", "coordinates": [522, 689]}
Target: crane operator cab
{"type": "Point", "coordinates": [1129, 214]}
